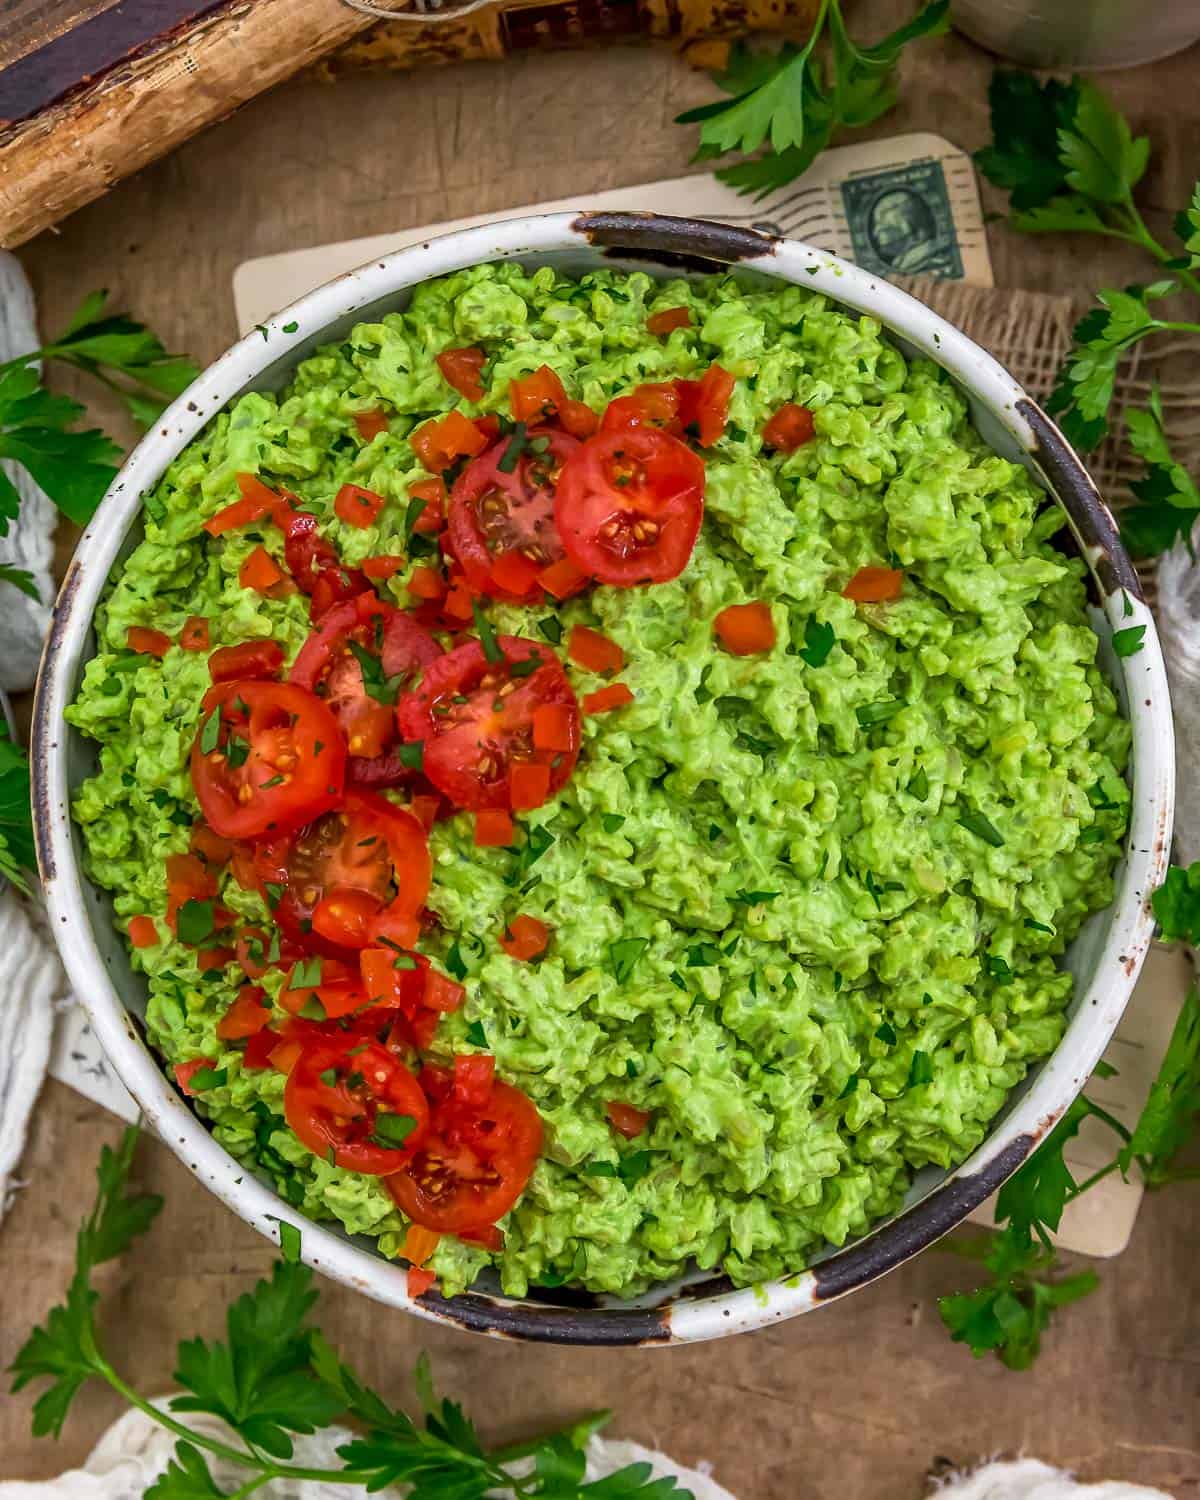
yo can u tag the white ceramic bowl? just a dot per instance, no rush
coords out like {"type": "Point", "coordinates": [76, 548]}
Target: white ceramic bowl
{"type": "Point", "coordinates": [1105, 957]}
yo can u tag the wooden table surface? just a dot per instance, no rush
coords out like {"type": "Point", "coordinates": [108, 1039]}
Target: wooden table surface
{"type": "Point", "coordinates": [860, 1399]}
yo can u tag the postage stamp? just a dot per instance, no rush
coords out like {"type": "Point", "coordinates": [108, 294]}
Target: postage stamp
{"type": "Point", "coordinates": [901, 223]}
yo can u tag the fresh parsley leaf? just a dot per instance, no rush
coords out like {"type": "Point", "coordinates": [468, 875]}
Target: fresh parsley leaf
{"type": "Point", "coordinates": [20, 578]}
{"type": "Point", "coordinates": [870, 714]}
{"type": "Point", "coordinates": [885, 1032]}
{"type": "Point", "coordinates": [1168, 1120]}
{"type": "Point", "coordinates": [208, 1078]}
{"type": "Point", "coordinates": [982, 828]}
{"type": "Point", "coordinates": [819, 641]}
{"type": "Point", "coordinates": [634, 1166]}
{"type": "Point", "coordinates": [17, 853]}
{"type": "Point", "coordinates": [1128, 642]}
{"type": "Point", "coordinates": [1026, 118]}
{"type": "Point", "coordinates": [393, 1130]}
{"type": "Point", "coordinates": [194, 922]}
{"type": "Point", "coordinates": [487, 636]}
{"type": "Point", "coordinates": [703, 955]}
{"type": "Point", "coordinates": [186, 1477]}
{"type": "Point", "coordinates": [306, 974]}
{"type": "Point", "coordinates": [795, 100]}
{"type": "Point", "coordinates": [551, 627]}
{"type": "Point", "coordinates": [611, 822]}
{"type": "Point", "coordinates": [475, 1032]}
{"type": "Point", "coordinates": [376, 683]}
{"type": "Point", "coordinates": [1168, 498]}
{"type": "Point", "coordinates": [920, 1070]}
{"type": "Point", "coordinates": [623, 956]}
{"type": "Point", "coordinates": [1176, 904]}
{"type": "Point", "coordinates": [413, 755]}
{"type": "Point", "coordinates": [918, 787]}
{"type": "Point", "coordinates": [1097, 148]}
{"type": "Point", "coordinates": [997, 968]}
{"type": "Point", "coordinates": [1031, 1202]}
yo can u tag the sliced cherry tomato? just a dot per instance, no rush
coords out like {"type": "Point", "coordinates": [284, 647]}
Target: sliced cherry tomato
{"type": "Point", "coordinates": [426, 810]}
{"type": "Point", "coordinates": [875, 586]}
{"type": "Point", "coordinates": [593, 651]}
{"type": "Point", "coordinates": [185, 1072]}
{"type": "Point", "coordinates": [563, 579]}
{"type": "Point", "coordinates": [353, 1102]}
{"type": "Point", "coordinates": [147, 642]}
{"type": "Point", "coordinates": [350, 637]}
{"type": "Point", "coordinates": [746, 629]}
{"type": "Point", "coordinates": [315, 565]}
{"type": "Point", "coordinates": [470, 745]}
{"type": "Point", "coordinates": [607, 698]}
{"type": "Point", "coordinates": [275, 761]}
{"type": "Point", "coordinates": [577, 418]}
{"type": "Point", "coordinates": [535, 397]}
{"type": "Point", "coordinates": [473, 1165]}
{"type": "Point", "coordinates": [438, 443]}
{"type": "Point", "coordinates": [461, 368]}
{"type": "Point", "coordinates": [194, 635]}
{"type": "Point", "coordinates": [250, 659]}
{"type": "Point", "coordinates": [666, 321]}
{"type": "Point", "coordinates": [524, 938]}
{"type": "Point", "coordinates": [419, 1281]}
{"type": "Point", "coordinates": [790, 428]}
{"type": "Point", "coordinates": [247, 1016]}
{"type": "Point", "coordinates": [494, 514]}
{"type": "Point", "coordinates": [626, 1120]}
{"type": "Point", "coordinates": [142, 932]}
{"type": "Point", "coordinates": [367, 846]}
{"type": "Point", "coordinates": [629, 506]}
{"type": "Point", "coordinates": [494, 828]}
{"type": "Point", "coordinates": [356, 506]}
{"type": "Point", "coordinates": [704, 404]}
{"type": "Point", "coordinates": [385, 565]}
{"type": "Point", "coordinates": [370, 424]}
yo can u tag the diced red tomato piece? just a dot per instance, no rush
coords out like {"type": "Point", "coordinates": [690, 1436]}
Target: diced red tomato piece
{"type": "Point", "coordinates": [433, 517]}
{"type": "Point", "coordinates": [704, 404]}
{"type": "Point", "coordinates": [616, 696]}
{"type": "Point", "coordinates": [485, 1235]}
{"type": "Point", "coordinates": [419, 1244]}
{"type": "Point", "coordinates": [554, 727]}
{"type": "Point", "coordinates": [185, 1072]}
{"type": "Point", "coordinates": [441, 993]}
{"type": "Point", "coordinates": [210, 846]}
{"type": "Point", "coordinates": [489, 428]}
{"type": "Point", "coordinates": [593, 651]}
{"type": "Point", "coordinates": [285, 1056]}
{"type": "Point", "coordinates": [458, 606]}
{"type": "Point", "coordinates": [385, 565]}
{"type": "Point", "coordinates": [257, 501]}
{"type": "Point", "coordinates": [461, 368]}
{"type": "Point", "coordinates": [438, 443]}
{"type": "Point", "coordinates": [356, 506]}
{"type": "Point", "coordinates": [662, 323]}
{"type": "Point", "coordinates": [515, 573]}
{"type": "Point", "coordinates": [493, 828]}
{"type": "Point", "coordinates": [187, 880]}
{"type": "Point", "coordinates": [626, 1120]}
{"type": "Point", "coordinates": [344, 916]}
{"type": "Point", "coordinates": [246, 1017]}
{"type": "Point", "coordinates": [525, 937]}
{"type": "Point", "coordinates": [194, 635]}
{"type": "Point", "coordinates": [214, 958]}
{"type": "Point", "coordinates": [746, 629]}
{"type": "Point", "coordinates": [790, 428]}
{"type": "Point", "coordinates": [147, 642]}
{"type": "Point", "coordinates": [142, 932]}
{"type": "Point", "coordinates": [528, 784]}
{"type": "Point", "coordinates": [536, 396]}
{"type": "Point", "coordinates": [425, 809]}
{"type": "Point", "coordinates": [420, 1281]}
{"type": "Point", "coordinates": [427, 583]}
{"type": "Point", "coordinates": [474, 1075]}
{"type": "Point", "coordinates": [562, 579]}
{"type": "Point", "coordinates": [370, 423]}
{"type": "Point", "coordinates": [874, 585]}
{"type": "Point", "coordinates": [578, 418]}
{"type": "Point", "coordinates": [260, 571]}
{"type": "Point", "coordinates": [257, 659]}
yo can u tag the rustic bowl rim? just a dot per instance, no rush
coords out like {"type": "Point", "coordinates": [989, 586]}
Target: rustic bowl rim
{"type": "Point", "coordinates": [663, 245]}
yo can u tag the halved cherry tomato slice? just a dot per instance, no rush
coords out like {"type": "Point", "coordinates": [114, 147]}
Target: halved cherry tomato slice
{"type": "Point", "coordinates": [790, 428]}
{"type": "Point", "coordinates": [875, 585]}
{"type": "Point", "coordinates": [666, 321]}
{"type": "Point", "coordinates": [330, 665]}
{"type": "Point", "coordinates": [535, 397]}
{"type": "Point", "coordinates": [356, 1104]}
{"type": "Point", "coordinates": [250, 659]}
{"type": "Point", "coordinates": [247, 1016]}
{"type": "Point", "coordinates": [746, 629]}
{"type": "Point", "coordinates": [368, 847]}
{"type": "Point", "coordinates": [438, 443]}
{"type": "Point", "coordinates": [495, 514]}
{"type": "Point", "coordinates": [704, 404]}
{"type": "Point", "coordinates": [460, 368]}
{"type": "Point", "coordinates": [471, 745]}
{"type": "Point", "coordinates": [473, 1165]}
{"type": "Point", "coordinates": [194, 635]}
{"type": "Point", "coordinates": [629, 506]}
{"type": "Point", "coordinates": [626, 1120]}
{"type": "Point", "coordinates": [147, 642]}
{"type": "Point", "coordinates": [273, 760]}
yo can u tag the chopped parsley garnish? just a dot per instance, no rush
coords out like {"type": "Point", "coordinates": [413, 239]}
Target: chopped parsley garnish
{"type": "Point", "coordinates": [920, 1070]}
{"type": "Point", "coordinates": [1129, 641]}
{"type": "Point", "coordinates": [997, 967]}
{"type": "Point", "coordinates": [759, 747]}
{"type": "Point", "coordinates": [1038, 926]}
{"type": "Point", "coordinates": [210, 733]}
{"type": "Point", "coordinates": [413, 756]}
{"type": "Point", "coordinates": [516, 443]}
{"type": "Point", "coordinates": [677, 980]}
{"type": "Point", "coordinates": [624, 954]}
{"type": "Point", "coordinates": [275, 893]}
{"type": "Point", "coordinates": [981, 827]}
{"type": "Point", "coordinates": [454, 962]}
{"type": "Point", "coordinates": [330, 1078]}
{"type": "Point", "coordinates": [918, 787]}
{"type": "Point", "coordinates": [819, 641]}
{"type": "Point", "coordinates": [393, 1130]}
{"type": "Point", "coordinates": [487, 636]}
{"type": "Point", "coordinates": [207, 1078]}
{"type": "Point", "coordinates": [194, 923]}
{"type": "Point", "coordinates": [703, 955]}
{"type": "Point", "coordinates": [610, 822]}
{"type": "Point", "coordinates": [526, 667]}
{"type": "Point", "coordinates": [306, 974]}
{"type": "Point", "coordinates": [886, 1032]}
{"type": "Point", "coordinates": [550, 626]}
{"type": "Point", "coordinates": [851, 1087]}
{"type": "Point", "coordinates": [756, 898]}
{"type": "Point", "coordinates": [475, 1032]}
{"type": "Point", "coordinates": [404, 961]}
{"type": "Point", "coordinates": [412, 515]}
{"type": "Point", "coordinates": [376, 684]}
{"type": "Point", "coordinates": [870, 714]}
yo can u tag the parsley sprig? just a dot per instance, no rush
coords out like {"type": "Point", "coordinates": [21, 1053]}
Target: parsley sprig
{"type": "Point", "coordinates": [16, 814]}
{"type": "Point", "coordinates": [275, 1376]}
{"type": "Point", "coordinates": [795, 100]}
{"type": "Point", "coordinates": [1071, 163]}
{"type": "Point", "coordinates": [37, 429]}
{"type": "Point", "coordinates": [1008, 1314]}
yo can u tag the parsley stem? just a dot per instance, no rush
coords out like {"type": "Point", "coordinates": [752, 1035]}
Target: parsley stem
{"type": "Point", "coordinates": [1110, 1120]}
{"type": "Point", "coordinates": [1092, 1180]}
{"type": "Point", "coordinates": [251, 1485]}
{"type": "Point", "coordinates": [164, 1419]}
{"type": "Point", "coordinates": [1140, 235]}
